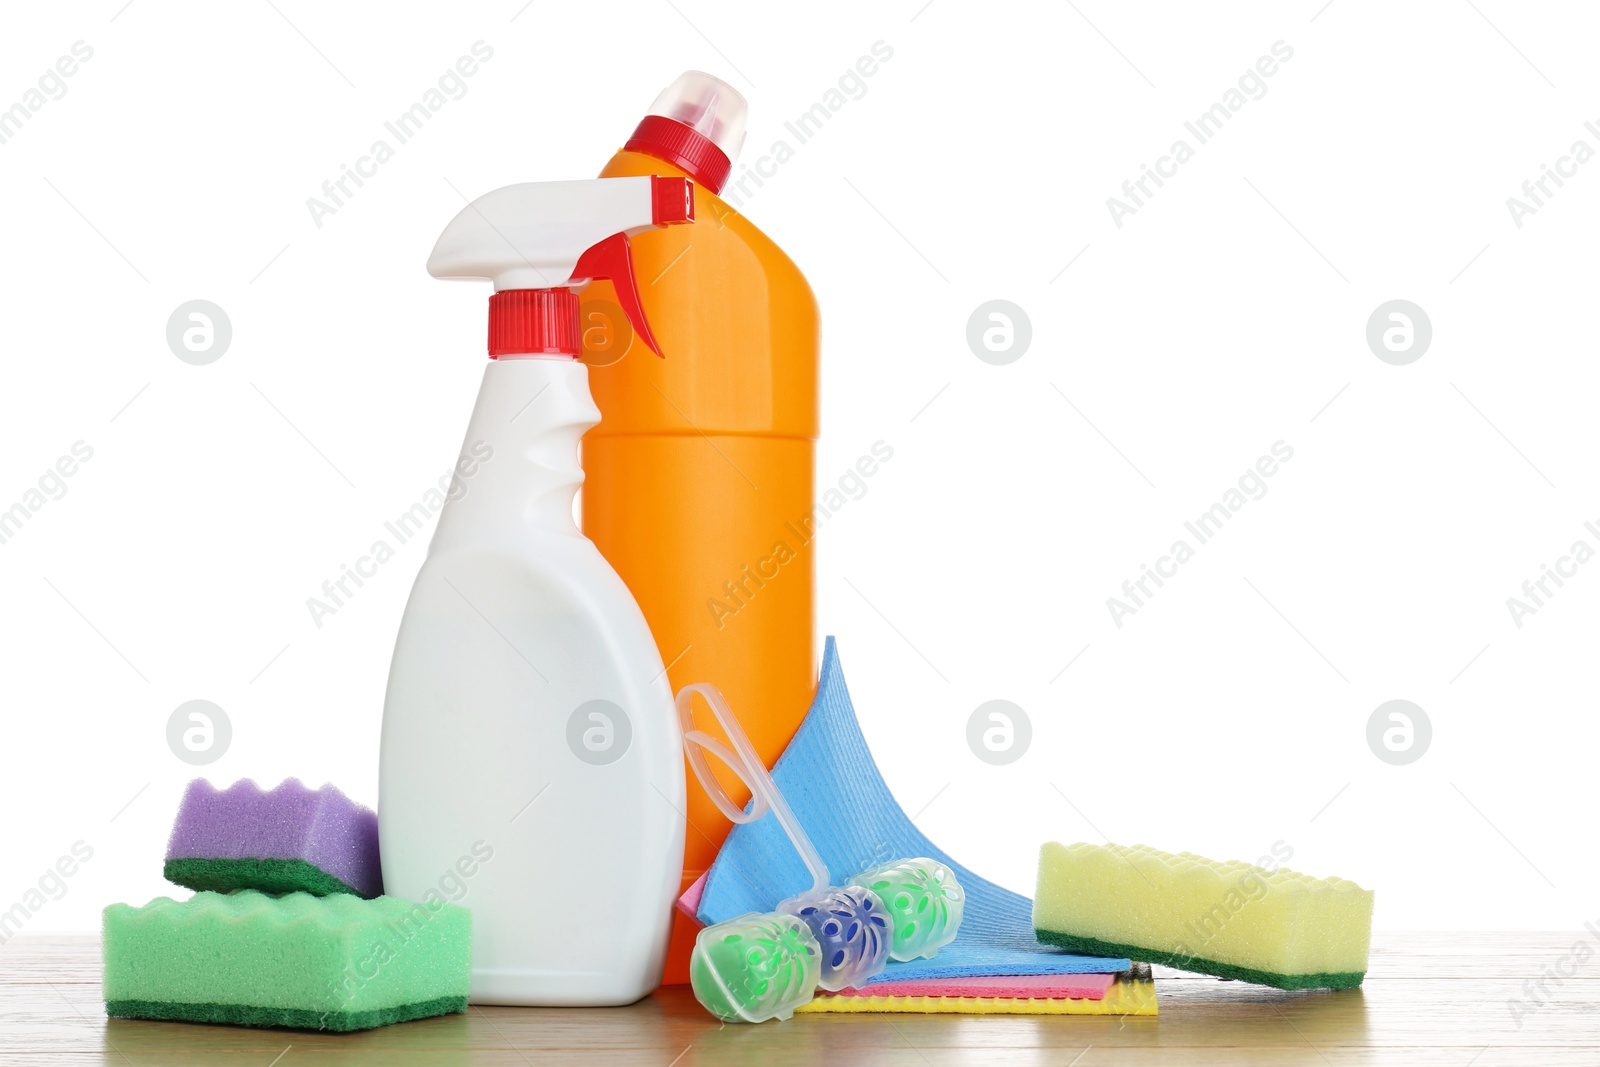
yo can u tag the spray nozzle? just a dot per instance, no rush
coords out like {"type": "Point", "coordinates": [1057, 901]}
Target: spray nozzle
{"type": "Point", "coordinates": [540, 240]}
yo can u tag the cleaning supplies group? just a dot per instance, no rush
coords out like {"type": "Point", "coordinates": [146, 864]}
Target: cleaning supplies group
{"type": "Point", "coordinates": [530, 662]}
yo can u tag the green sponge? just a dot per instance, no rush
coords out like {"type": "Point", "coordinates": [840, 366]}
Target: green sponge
{"type": "Point", "coordinates": [1276, 928]}
{"type": "Point", "coordinates": [316, 963]}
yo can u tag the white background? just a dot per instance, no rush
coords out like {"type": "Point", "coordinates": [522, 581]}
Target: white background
{"type": "Point", "coordinates": [1227, 314]}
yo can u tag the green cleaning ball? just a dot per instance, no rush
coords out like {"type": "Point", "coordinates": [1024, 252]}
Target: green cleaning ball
{"type": "Point", "coordinates": [755, 967]}
{"type": "Point", "coordinates": [924, 899]}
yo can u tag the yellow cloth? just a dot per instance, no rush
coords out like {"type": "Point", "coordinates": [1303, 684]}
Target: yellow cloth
{"type": "Point", "coordinates": [1131, 994]}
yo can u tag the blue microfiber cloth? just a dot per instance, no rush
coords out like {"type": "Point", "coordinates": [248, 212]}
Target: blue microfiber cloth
{"type": "Point", "coordinates": [836, 791]}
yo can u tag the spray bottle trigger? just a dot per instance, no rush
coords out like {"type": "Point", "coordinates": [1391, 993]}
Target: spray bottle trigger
{"type": "Point", "coordinates": [612, 260]}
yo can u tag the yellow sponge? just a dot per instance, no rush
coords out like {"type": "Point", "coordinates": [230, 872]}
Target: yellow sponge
{"type": "Point", "coordinates": [1232, 919]}
{"type": "Point", "coordinates": [1133, 993]}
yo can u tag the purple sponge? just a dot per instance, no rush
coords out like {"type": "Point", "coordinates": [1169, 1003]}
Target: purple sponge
{"type": "Point", "coordinates": [280, 840]}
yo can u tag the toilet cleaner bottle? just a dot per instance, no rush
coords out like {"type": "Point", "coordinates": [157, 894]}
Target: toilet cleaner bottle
{"type": "Point", "coordinates": [700, 476]}
{"type": "Point", "coordinates": [531, 767]}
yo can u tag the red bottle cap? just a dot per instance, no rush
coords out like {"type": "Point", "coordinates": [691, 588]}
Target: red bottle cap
{"type": "Point", "coordinates": [685, 149]}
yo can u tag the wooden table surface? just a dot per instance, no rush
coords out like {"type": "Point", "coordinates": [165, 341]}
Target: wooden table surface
{"type": "Point", "coordinates": [1428, 999]}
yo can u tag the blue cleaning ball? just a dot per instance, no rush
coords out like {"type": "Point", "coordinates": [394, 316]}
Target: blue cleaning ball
{"type": "Point", "coordinates": [853, 928]}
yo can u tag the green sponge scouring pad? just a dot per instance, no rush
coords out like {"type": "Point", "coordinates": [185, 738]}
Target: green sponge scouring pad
{"type": "Point", "coordinates": [318, 963]}
{"type": "Point", "coordinates": [1277, 928]}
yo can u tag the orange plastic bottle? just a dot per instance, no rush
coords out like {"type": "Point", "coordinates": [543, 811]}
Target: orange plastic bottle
{"type": "Point", "coordinates": [699, 478]}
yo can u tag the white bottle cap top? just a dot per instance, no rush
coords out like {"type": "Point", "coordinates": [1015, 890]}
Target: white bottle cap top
{"type": "Point", "coordinates": [709, 106]}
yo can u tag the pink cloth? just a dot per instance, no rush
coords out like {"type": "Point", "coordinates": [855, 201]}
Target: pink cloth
{"type": "Point", "coordinates": [689, 903]}
{"type": "Point", "coordinates": [1026, 986]}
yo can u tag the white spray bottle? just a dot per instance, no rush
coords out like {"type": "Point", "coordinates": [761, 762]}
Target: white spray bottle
{"type": "Point", "coordinates": [531, 765]}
